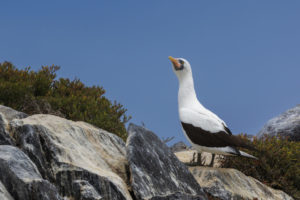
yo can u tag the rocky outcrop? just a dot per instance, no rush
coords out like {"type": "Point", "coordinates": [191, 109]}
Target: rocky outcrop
{"type": "Point", "coordinates": [21, 177]}
{"type": "Point", "coordinates": [286, 124]}
{"type": "Point", "coordinates": [6, 115]}
{"type": "Point", "coordinates": [155, 171]}
{"type": "Point", "coordinates": [51, 158]}
{"type": "Point", "coordinates": [232, 184]}
{"type": "Point", "coordinates": [80, 159]}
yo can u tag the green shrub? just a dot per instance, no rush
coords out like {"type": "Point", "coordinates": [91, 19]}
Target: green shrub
{"type": "Point", "coordinates": [278, 163]}
{"type": "Point", "coordinates": [39, 92]}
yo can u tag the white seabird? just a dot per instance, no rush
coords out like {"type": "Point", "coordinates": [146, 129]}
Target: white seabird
{"type": "Point", "coordinates": [203, 129]}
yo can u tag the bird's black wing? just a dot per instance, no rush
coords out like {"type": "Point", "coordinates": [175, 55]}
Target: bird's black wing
{"type": "Point", "coordinates": [227, 129]}
{"type": "Point", "coordinates": [205, 138]}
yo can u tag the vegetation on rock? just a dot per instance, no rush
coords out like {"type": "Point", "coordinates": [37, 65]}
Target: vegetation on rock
{"type": "Point", "coordinates": [39, 91]}
{"type": "Point", "coordinates": [278, 163]}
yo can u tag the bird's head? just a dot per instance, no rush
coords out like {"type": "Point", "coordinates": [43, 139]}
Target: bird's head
{"type": "Point", "coordinates": [181, 67]}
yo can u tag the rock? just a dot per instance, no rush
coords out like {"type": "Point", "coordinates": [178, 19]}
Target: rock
{"type": "Point", "coordinates": [179, 146]}
{"type": "Point", "coordinates": [85, 191]}
{"type": "Point", "coordinates": [6, 115]}
{"type": "Point", "coordinates": [187, 157]}
{"type": "Point", "coordinates": [156, 173]}
{"type": "Point", "coordinates": [190, 158]}
{"type": "Point", "coordinates": [78, 157]}
{"type": "Point", "coordinates": [21, 177]}
{"type": "Point", "coordinates": [232, 184]}
{"type": "Point", "coordinates": [286, 124]}
{"type": "Point", "coordinates": [4, 135]}
{"type": "Point", "coordinates": [4, 194]}
{"type": "Point", "coordinates": [10, 114]}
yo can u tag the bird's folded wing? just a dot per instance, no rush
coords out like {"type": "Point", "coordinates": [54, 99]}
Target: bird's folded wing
{"type": "Point", "coordinates": [206, 131]}
{"type": "Point", "coordinates": [203, 120]}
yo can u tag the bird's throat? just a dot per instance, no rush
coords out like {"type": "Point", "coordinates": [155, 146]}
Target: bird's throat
{"type": "Point", "coordinates": [186, 94]}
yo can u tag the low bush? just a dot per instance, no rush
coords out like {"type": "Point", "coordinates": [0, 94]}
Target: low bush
{"type": "Point", "coordinates": [278, 164]}
{"type": "Point", "coordinates": [40, 92]}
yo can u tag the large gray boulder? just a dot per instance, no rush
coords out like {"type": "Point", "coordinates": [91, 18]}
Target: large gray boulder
{"type": "Point", "coordinates": [232, 184]}
{"type": "Point", "coordinates": [156, 173]}
{"type": "Point", "coordinates": [21, 177]}
{"type": "Point", "coordinates": [83, 161]}
{"type": "Point", "coordinates": [285, 124]}
{"type": "Point", "coordinates": [6, 115]}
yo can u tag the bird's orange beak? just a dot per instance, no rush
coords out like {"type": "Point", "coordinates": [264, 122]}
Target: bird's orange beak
{"type": "Point", "coordinates": [174, 62]}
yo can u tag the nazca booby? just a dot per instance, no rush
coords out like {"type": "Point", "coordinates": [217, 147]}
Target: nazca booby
{"type": "Point", "coordinates": [203, 129]}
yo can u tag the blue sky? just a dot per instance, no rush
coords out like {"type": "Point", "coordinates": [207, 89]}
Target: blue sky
{"type": "Point", "coordinates": [245, 55]}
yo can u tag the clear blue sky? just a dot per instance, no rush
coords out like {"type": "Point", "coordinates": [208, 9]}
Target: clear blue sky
{"type": "Point", "coordinates": [245, 55]}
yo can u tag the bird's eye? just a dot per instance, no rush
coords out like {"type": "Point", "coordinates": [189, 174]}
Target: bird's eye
{"type": "Point", "coordinates": [181, 61]}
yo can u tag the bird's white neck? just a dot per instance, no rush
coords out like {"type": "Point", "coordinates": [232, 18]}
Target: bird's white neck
{"type": "Point", "coordinates": [186, 95]}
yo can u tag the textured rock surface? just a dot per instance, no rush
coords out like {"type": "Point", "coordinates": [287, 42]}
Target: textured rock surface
{"type": "Point", "coordinates": [10, 114]}
{"type": "Point", "coordinates": [286, 124]}
{"type": "Point", "coordinates": [233, 184]}
{"type": "Point", "coordinates": [85, 191]}
{"type": "Point", "coordinates": [190, 157]}
{"type": "Point", "coordinates": [4, 135]}
{"type": "Point", "coordinates": [21, 177]}
{"type": "Point", "coordinates": [6, 115]}
{"type": "Point", "coordinates": [4, 194]}
{"type": "Point", "coordinates": [66, 152]}
{"type": "Point", "coordinates": [156, 173]}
